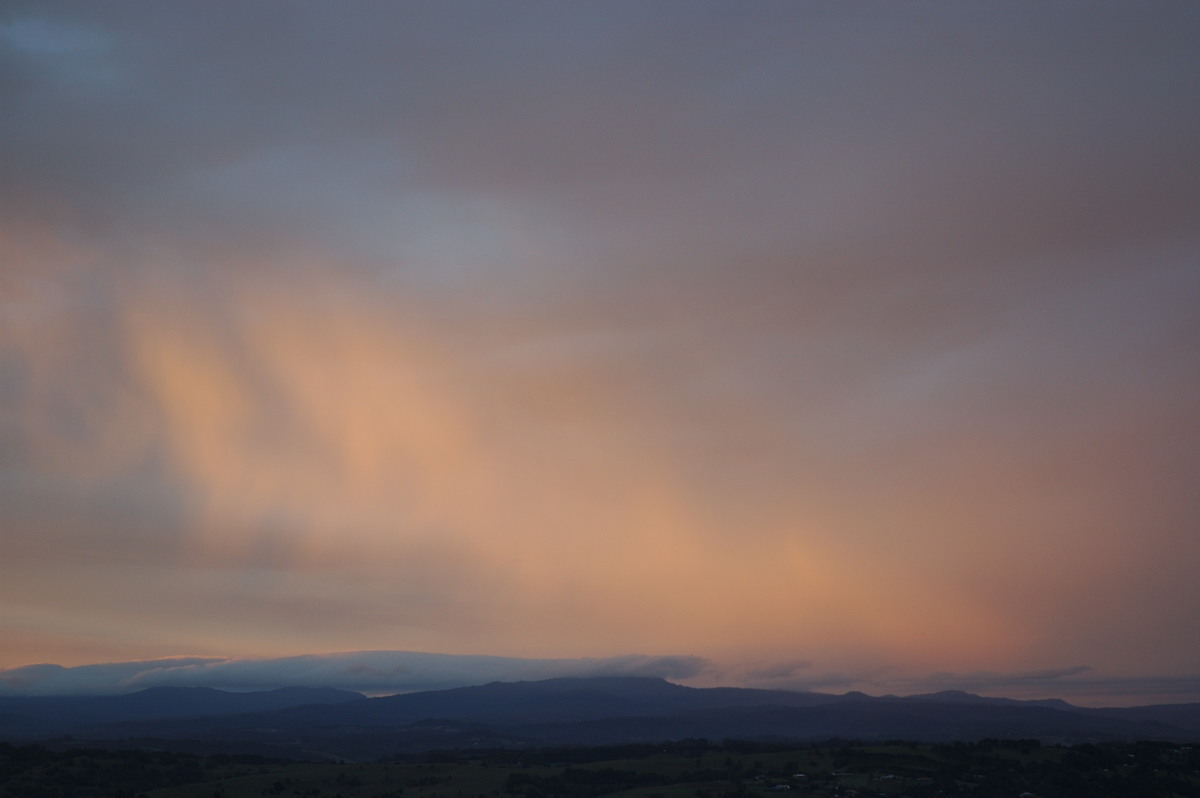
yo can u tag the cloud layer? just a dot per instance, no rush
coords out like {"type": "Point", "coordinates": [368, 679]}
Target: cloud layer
{"type": "Point", "coordinates": [859, 337]}
{"type": "Point", "coordinates": [388, 672]}
{"type": "Point", "coordinates": [370, 672]}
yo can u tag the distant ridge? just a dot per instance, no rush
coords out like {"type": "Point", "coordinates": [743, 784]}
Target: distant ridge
{"type": "Point", "coordinates": [46, 714]}
{"type": "Point", "coordinates": [564, 711]}
{"type": "Point", "coordinates": [960, 697]}
{"type": "Point", "coordinates": [566, 699]}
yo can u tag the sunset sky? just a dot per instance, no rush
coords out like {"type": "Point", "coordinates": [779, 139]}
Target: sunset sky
{"type": "Point", "coordinates": [789, 344]}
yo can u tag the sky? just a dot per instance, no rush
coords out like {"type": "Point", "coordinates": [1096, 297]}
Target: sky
{"type": "Point", "coordinates": [831, 346]}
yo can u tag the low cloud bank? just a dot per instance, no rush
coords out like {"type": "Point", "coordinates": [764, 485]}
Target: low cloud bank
{"type": "Point", "coordinates": [386, 672]}
{"type": "Point", "coordinates": [1081, 685]}
{"type": "Point", "coordinates": [370, 672]}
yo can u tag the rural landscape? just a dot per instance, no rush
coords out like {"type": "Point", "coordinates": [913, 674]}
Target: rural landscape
{"type": "Point", "coordinates": [684, 769]}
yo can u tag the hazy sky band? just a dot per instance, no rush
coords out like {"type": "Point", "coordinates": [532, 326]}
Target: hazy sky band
{"type": "Point", "coordinates": [862, 336]}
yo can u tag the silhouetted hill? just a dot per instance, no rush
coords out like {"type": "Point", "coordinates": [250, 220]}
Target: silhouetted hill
{"type": "Point", "coordinates": [960, 697]}
{"type": "Point", "coordinates": [586, 712]}
{"type": "Point", "coordinates": [23, 716]}
{"type": "Point", "coordinates": [557, 700]}
{"type": "Point", "coordinates": [1184, 716]}
{"type": "Point", "coordinates": [874, 720]}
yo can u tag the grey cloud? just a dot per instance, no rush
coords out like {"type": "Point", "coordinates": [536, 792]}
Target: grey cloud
{"type": "Point", "coordinates": [777, 670]}
{"type": "Point", "coordinates": [766, 168]}
{"type": "Point", "coordinates": [669, 667]}
{"type": "Point", "coordinates": [1078, 684]}
{"type": "Point", "coordinates": [923, 274]}
{"type": "Point", "coordinates": [50, 679]}
{"type": "Point", "coordinates": [373, 672]}
{"type": "Point", "coordinates": [986, 680]}
{"type": "Point", "coordinates": [790, 167]}
{"type": "Point", "coordinates": [767, 120]}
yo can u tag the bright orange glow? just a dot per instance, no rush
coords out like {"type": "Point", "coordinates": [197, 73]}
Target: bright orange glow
{"type": "Point", "coordinates": [333, 434]}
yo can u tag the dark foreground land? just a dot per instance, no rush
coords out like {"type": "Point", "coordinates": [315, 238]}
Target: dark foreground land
{"type": "Point", "coordinates": [685, 769]}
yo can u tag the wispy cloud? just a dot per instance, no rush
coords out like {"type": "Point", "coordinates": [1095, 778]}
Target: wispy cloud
{"type": "Point", "coordinates": [774, 670]}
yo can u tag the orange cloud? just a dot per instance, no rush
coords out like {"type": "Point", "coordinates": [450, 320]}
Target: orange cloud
{"type": "Point", "coordinates": [319, 430]}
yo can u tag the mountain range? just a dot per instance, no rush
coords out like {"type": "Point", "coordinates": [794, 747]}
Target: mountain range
{"type": "Point", "coordinates": [323, 723]}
